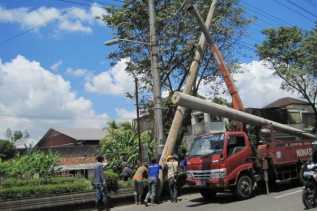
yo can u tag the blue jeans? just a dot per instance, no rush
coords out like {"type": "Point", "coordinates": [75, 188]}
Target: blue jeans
{"type": "Point", "coordinates": [101, 196]}
{"type": "Point", "coordinates": [173, 189]}
{"type": "Point", "coordinates": [152, 186]}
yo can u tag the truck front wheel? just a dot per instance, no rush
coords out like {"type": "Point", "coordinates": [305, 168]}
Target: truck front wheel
{"type": "Point", "coordinates": [244, 187]}
{"type": "Point", "coordinates": [207, 194]}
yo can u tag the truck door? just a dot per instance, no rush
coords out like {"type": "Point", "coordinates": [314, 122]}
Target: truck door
{"type": "Point", "coordinates": [237, 151]}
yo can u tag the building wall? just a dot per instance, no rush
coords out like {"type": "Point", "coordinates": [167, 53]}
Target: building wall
{"type": "Point", "coordinates": [55, 139]}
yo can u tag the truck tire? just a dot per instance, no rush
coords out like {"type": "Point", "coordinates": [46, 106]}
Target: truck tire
{"type": "Point", "coordinates": [207, 194]}
{"type": "Point", "coordinates": [244, 187]}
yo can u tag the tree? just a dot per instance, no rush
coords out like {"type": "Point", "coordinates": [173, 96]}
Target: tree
{"type": "Point", "coordinates": [15, 135]}
{"type": "Point", "coordinates": [121, 144]}
{"type": "Point", "coordinates": [7, 149]}
{"type": "Point", "coordinates": [292, 54]}
{"type": "Point", "coordinates": [177, 36]}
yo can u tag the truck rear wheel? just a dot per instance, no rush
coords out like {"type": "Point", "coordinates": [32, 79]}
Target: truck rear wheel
{"type": "Point", "coordinates": [207, 194]}
{"type": "Point", "coordinates": [244, 187]}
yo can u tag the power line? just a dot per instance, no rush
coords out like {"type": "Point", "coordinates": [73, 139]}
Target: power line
{"type": "Point", "coordinates": [311, 2]}
{"type": "Point", "coordinates": [302, 8]}
{"type": "Point", "coordinates": [266, 14]}
{"type": "Point", "coordinates": [292, 9]}
{"type": "Point", "coordinates": [17, 36]}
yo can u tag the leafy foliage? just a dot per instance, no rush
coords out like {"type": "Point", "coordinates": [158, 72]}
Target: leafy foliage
{"type": "Point", "coordinates": [121, 144]}
{"type": "Point", "coordinates": [34, 164]}
{"type": "Point", "coordinates": [16, 189]}
{"type": "Point", "coordinates": [7, 149]}
{"type": "Point", "coordinates": [176, 34]}
{"type": "Point", "coordinates": [292, 53]}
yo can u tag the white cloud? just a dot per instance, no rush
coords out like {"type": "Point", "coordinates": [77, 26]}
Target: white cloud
{"type": "Point", "coordinates": [125, 115]}
{"type": "Point", "coordinates": [56, 66]}
{"type": "Point", "coordinates": [115, 81]}
{"type": "Point", "coordinates": [74, 26]}
{"type": "Point", "coordinates": [29, 18]}
{"type": "Point", "coordinates": [38, 99]}
{"type": "Point", "coordinates": [257, 85]}
{"type": "Point", "coordinates": [70, 19]}
{"type": "Point", "coordinates": [79, 72]}
{"type": "Point", "coordinates": [97, 11]}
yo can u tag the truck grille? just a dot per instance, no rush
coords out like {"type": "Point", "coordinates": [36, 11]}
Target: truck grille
{"type": "Point", "coordinates": [200, 174]}
{"type": "Point", "coordinates": [206, 174]}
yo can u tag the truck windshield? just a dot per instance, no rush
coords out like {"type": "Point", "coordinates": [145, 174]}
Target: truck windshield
{"type": "Point", "coordinates": [207, 145]}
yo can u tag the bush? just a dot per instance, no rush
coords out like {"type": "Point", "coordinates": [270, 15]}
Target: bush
{"type": "Point", "coordinates": [28, 166]}
{"type": "Point", "coordinates": [126, 184]}
{"type": "Point", "coordinates": [14, 182]}
{"type": "Point", "coordinates": [112, 179]}
{"type": "Point", "coordinates": [7, 149]}
{"type": "Point", "coordinates": [33, 189]}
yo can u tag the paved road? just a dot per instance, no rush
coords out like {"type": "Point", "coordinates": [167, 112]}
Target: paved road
{"type": "Point", "coordinates": [288, 200]}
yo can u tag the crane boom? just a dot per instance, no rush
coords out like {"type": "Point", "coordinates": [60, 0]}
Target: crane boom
{"type": "Point", "coordinates": [223, 68]}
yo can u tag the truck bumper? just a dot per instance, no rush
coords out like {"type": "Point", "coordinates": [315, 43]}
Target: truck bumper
{"type": "Point", "coordinates": [209, 184]}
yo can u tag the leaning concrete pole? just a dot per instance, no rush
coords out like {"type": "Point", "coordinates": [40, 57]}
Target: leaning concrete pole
{"type": "Point", "coordinates": [206, 106]}
{"type": "Point", "coordinates": [190, 80]}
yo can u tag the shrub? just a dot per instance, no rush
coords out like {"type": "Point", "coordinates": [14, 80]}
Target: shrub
{"type": "Point", "coordinates": [15, 182]}
{"type": "Point", "coordinates": [30, 165]}
{"type": "Point", "coordinates": [7, 149]}
{"type": "Point", "coordinates": [35, 190]}
{"type": "Point", "coordinates": [112, 180]}
{"type": "Point", "coordinates": [126, 184]}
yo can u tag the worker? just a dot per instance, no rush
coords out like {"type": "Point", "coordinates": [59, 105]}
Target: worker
{"type": "Point", "coordinates": [153, 181]}
{"type": "Point", "coordinates": [100, 185]}
{"type": "Point", "coordinates": [138, 178]}
{"type": "Point", "coordinates": [172, 171]}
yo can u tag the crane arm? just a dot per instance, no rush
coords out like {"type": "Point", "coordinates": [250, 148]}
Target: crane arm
{"type": "Point", "coordinates": [223, 68]}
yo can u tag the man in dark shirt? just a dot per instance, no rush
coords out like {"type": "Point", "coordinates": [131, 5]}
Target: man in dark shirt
{"type": "Point", "coordinates": [153, 179]}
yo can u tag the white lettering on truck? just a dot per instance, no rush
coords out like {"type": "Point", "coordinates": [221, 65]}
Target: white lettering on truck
{"type": "Point", "coordinates": [304, 152]}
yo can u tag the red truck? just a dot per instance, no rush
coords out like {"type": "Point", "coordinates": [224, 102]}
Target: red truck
{"type": "Point", "coordinates": [230, 161]}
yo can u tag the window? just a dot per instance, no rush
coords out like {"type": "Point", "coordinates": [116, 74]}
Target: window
{"type": "Point", "coordinates": [235, 144]}
{"type": "Point", "coordinates": [207, 145]}
{"type": "Point", "coordinates": [294, 118]}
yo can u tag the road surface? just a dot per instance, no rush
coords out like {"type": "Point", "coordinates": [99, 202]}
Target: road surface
{"type": "Point", "coordinates": [287, 200]}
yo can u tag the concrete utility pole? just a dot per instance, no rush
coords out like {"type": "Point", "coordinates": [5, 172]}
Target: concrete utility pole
{"type": "Point", "coordinates": [206, 106]}
{"type": "Point", "coordinates": [190, 81]}
{"type": "Point", "coordinates": [158, 121]}
{"type": "Point", "coordinates": [138, 118]}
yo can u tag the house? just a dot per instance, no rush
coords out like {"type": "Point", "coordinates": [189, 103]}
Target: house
{"type": "Point", "coordinates": [294, 112]}
{"type": "Point", "coordinates": [77, 148]}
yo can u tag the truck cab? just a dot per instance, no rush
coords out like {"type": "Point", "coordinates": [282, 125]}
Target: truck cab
{"type": "Point", "coordinates": [217, 161]}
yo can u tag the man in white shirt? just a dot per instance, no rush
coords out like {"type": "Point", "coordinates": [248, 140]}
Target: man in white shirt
{"type": "Point", "coordinates": [172, 170]}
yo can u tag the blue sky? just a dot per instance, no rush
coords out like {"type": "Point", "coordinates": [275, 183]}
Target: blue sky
{"type": "Point", "coordinates": [62, 65]}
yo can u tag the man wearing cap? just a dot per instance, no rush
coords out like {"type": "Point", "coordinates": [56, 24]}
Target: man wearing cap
{"type": "Point", "coordinates": [172, 169]}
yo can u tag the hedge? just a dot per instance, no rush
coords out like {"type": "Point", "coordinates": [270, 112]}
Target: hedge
{"type": "Point", "coordinates": [14, 182]}
{"type": "Point", "coordinates": [35, 190]}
